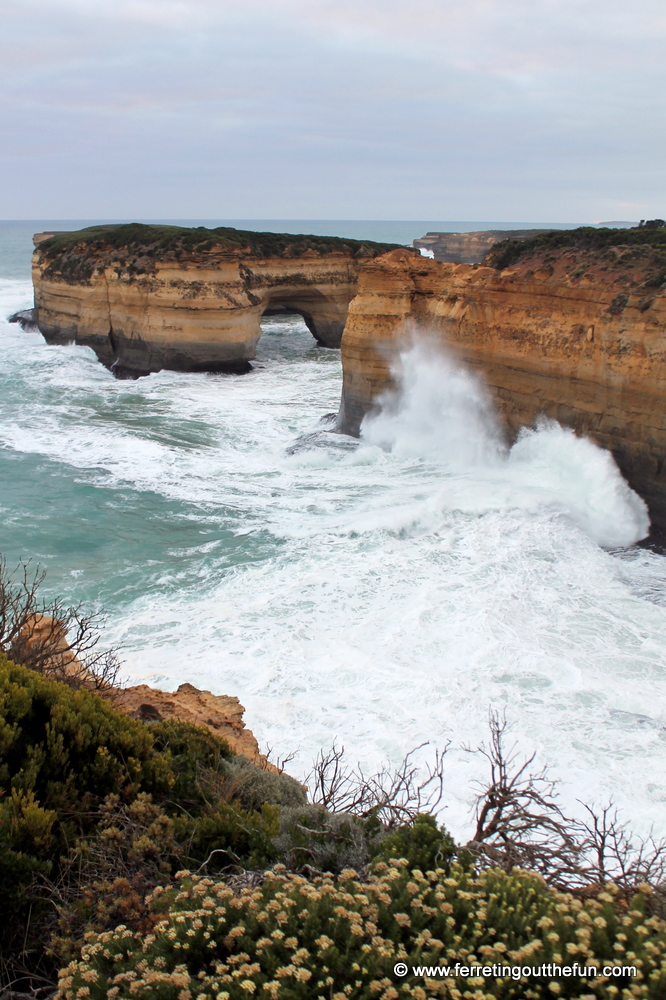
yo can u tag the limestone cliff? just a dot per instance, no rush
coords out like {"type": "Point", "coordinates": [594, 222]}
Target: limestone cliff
{"type": "Point", "coordinates": [469, 248]}
{"type": "Point", "coordinates": [222, 714]}
{"type": "Point", "coordinates": [44, 640]}
{"type": "Point", "coordinates": [575, 332]}
{"type": "Point", "coordinates": [152, 297]}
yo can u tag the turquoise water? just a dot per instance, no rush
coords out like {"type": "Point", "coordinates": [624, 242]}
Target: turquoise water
{"type": "Point", "coordinates": [382, 593]}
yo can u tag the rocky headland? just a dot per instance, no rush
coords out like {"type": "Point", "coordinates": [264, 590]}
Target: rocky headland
{"type": "Point", "coordinates": [469, 248]}
{"type": "Point", "coordinates": [41, 642]}
{"type": "Point", "coordinates": [152, 297]}
{"type": "Point", "coordinates": [570, 324]}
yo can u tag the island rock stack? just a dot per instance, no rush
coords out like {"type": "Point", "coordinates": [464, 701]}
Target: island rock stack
{"type": "Point", "coordinates": [146, 298]}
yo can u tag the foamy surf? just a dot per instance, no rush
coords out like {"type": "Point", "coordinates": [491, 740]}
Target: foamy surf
{"type": "Point", "coordinates": [442, 414]}
{"type": "Point", "coordinates": [382, 593]}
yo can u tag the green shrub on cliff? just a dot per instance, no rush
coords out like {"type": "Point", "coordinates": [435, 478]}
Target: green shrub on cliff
{"type": "Point", "coordinates": [66, 758]}
{"type": "Point", "coordinates": [73, 256]}
{"type": "Point", "coordinates": [253, 785]}
{"type": "Point", "coordinates": [290, 938]}
{"type": "Point", "coordinates": [311, 838]}
{"type": "Point", "coordinates": [422, 844]}
{"type": "Point", "coordinates": [195, 756]}
{"type": "Point", "coordinates": [62, 751]}
{"type": "Point", "coordinates": [510, 251]}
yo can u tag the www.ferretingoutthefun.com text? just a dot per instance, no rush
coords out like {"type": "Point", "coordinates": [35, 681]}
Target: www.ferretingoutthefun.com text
{"type": "Point", "coordinates": [517, 972]}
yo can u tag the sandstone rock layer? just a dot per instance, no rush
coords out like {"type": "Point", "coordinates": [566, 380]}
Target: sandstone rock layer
{"type": "Point", "coordinates": [222, 714]}
{"type": "Point", "coordinates": [576, 335]}
{"type": "Point", "coordinates": [150, 297]}
{"type": "Point", "coordinates": [45, 638]}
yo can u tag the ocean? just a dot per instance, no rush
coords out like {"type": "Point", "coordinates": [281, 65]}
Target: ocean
{"type": "Point", "coordinates": [382, 594]}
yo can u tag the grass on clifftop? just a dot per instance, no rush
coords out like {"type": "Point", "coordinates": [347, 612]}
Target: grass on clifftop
{"type": "Point", "coordinates": [158, 241]}
{"type": "Point", "coordinates": [510, 251]}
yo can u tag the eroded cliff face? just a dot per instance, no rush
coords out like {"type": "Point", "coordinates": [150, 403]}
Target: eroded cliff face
{"type": "Point", "coordinates": [469, 248]}
{"type": "Point", "coordinates": [46, 639]}
{"type": "Point", "coordinates": [577, 335]}
{"type": "Point", "coordinates": [145, 301]}
{"type": "Point", "coordinates": [222, 714]}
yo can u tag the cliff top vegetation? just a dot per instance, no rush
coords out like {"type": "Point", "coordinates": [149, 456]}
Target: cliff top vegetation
{"type": "Point", "coordinates": [147, 861]}
{"type": "Point", "coordinates": [160, 242]}
{"type": "Point", "coordinates": [651, 234]}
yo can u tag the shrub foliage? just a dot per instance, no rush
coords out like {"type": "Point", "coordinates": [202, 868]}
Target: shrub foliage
{"type": "Point", "coordinates": [330, 938]}
{"type": "Point", "coordinates": [509, 251]}
{"type": "Point", "coordinates": [93, 803]}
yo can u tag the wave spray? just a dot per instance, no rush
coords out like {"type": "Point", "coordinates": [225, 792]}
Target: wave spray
{"type": "Point", "coordinates": [442, 413]}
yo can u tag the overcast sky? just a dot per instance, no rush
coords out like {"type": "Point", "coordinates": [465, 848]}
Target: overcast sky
{"type": "Point", "coordinates": [510, 110]}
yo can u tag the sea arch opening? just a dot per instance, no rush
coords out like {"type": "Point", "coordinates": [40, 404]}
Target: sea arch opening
{"type": "Point", "coordinates": [322, 314]}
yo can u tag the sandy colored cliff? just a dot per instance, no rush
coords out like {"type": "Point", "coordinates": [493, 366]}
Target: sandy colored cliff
{"type": "Point", "coordinates": [469, 248]}
{"type": "Point", "coordinates": [42, 642]}
{"type": "Point", "coordinates": [152, 297]}
{"type": "Point", "coordinates": [576, 334]}
{"type": "Point", "coordinates": [222, 714]}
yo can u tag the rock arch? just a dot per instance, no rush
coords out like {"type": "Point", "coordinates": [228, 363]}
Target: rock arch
{"type": "Point", "coordinates": [152, 297]}
{"type": "Point", "coordinates": [324, 316]}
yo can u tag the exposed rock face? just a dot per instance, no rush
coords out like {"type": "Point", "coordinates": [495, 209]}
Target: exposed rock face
{"type": "Point", "coordinates": [152, 297]}
{"type": "Point", "coordinates": [221, 714]}
{"type": "Point", "coordinates": [469, 248]}
{"type": "Point", "coordinates": [576, 334]}
{"type": "Point", "coordinates": [46, 639]}
{"type": "Point", "coordinates": [42, 643]}
{"type": "Point", "coordinates": [41, 237]}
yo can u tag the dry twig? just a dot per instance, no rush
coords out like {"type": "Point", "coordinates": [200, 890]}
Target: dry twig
{"type": "Point", "coordinates": [519, 823]}
{"type": "Point", "coordinates": [394, 796]}
{"type": "Point", "coordinates": [58, 640]}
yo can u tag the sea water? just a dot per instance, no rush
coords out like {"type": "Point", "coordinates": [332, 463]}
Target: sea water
{"type": "Point", "coordinates": [382, 593]}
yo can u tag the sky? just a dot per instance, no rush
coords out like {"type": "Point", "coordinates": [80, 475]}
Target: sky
{"type": "Point", "coordinates": [512, 110]}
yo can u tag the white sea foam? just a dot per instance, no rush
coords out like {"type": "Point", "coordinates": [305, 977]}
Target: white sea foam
{"type": "Point", "coordinates": [380, 594]}
{"type": "Point", "coordinates": [442, 413]}
{"type": "Point", "coordinates": [439, 412]}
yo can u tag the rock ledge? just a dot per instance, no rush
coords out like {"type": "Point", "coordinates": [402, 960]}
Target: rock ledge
{"type": "Point", "coordinates": [222, 714]}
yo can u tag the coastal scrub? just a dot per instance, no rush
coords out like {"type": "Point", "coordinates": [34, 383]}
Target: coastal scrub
{"type": "Point", "coordinates": [339, 938]}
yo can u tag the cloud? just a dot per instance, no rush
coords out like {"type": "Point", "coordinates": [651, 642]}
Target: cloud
{"type": "Point", "coordinates": [309, 108]}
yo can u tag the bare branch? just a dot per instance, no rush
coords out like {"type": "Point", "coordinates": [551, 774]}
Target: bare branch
{"type": "Point", "coordinates": [394, 796]}
{"type": "Point", "coordinates": [50, 637]}
{"type": "Point", "coordinates": [280, 764]}
{"type": "Point", "coordinates": [519, 823]}
{"type": "Point", "coordinates": [518, 820]}
{"type": "Point", "coordinates": [613, 854]}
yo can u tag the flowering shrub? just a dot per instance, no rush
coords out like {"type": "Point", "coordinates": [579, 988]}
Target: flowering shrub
{"type": "Point", "coordinates": [74, 771]}
{"type": "Point", "coordinates": [291, 938]}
